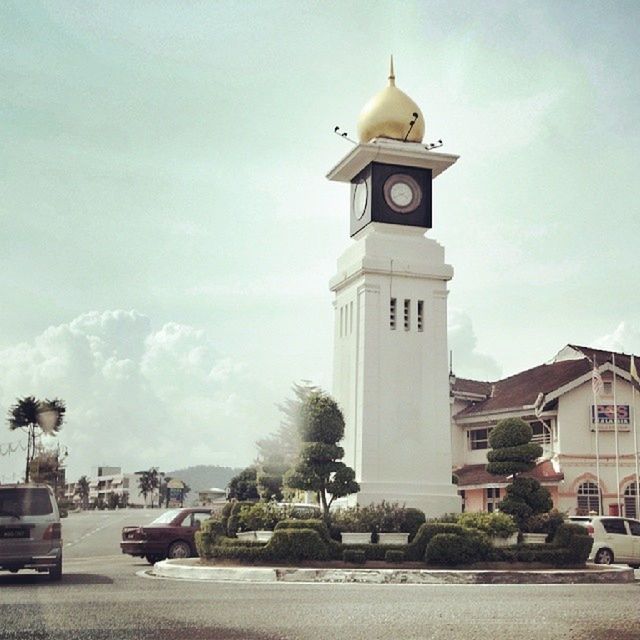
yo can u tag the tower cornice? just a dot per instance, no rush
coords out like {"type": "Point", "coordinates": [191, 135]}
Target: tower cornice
{"type": "Point", "coordinates": [408, 154]}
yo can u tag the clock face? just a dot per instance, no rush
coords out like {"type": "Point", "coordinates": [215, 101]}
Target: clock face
{"type": "Point", "coordinates": [360, 199]}
{"type": "Point", "coordinates": [402, 193]}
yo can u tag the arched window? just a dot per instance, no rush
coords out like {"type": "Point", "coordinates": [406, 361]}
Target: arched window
{"type": "Point", "coordinates": [630, 494]}
{"type": "Point", "coordinates": [588, 498]}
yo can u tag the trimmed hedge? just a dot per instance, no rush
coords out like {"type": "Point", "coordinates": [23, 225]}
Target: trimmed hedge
{"type": "Point", "coordinates": [441, 543]}
{"type": "Point", "coordinates": [570, 547]}
{"type": "Point", "coordinates": [394, 555]}
{"type": "Point", "coordinates": [354, 556]}
{"type": "Point", "coordinates": [296, 544]}
{"type": "Point", "coordinates": [416, 549]}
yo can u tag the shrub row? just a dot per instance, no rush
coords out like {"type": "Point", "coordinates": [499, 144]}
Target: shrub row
{"type": "Point", "coordinates": [436, 543]}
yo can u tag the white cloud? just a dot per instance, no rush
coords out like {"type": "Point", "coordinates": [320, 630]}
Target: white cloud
{"type": "Point", "coordinates": [467, 361]}
{"type": "Point", "coordinates": [624, 337]}
{"type": "Point", "coordinates": [138, 397]}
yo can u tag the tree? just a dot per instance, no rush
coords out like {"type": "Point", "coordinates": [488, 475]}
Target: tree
{"type": "Point", "coordinates": [243, 487]}
{"type": "Point", "coordinates": [47, 466]}
{"type": "Point", "coordinates": [82, 491]}
{"type": "Point", "coordinates": [148, 483]}
{"type": "Point", "coordinates": [30, 414]}
{"type": "Point", "coordinates": [279, 451]}
{"type": "Point", "coordinates": [319, 467]}
{"type": "Point", "coordinates": [512, 452]}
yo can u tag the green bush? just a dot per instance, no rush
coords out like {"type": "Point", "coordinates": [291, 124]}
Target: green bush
{"type": "Point", "coordinates": [544, 523]}
{"type": "Point", "coordinates": [295, 545]}
{"type": "Point", "coordinates": [260, 516]}
{"type": "Point", "coordinates": [243, 553]}
{"type": "Point", "coordinates": [334, 548]}
{"type": "Point", "coordinates": [496, 524]}
{"type": "Point", "coordinates": [453, 549]}
{"type": "Point", "coordinates": [354, 556]}
{"type": "Point", "coordinates": [507, 454]}
{"type": "Point", "coordinates": [386, 516]}
{"type": "Point", "coordinates": [570, 547]}
{"type": "Point", "coordinates": [416, 549]}
{"type": "Point", "coordinates": [394, 556]}
{"type": "Point", "coordinates": [233, 521]}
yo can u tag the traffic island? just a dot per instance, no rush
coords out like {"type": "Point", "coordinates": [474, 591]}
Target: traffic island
{"type": "Point", "coordinates": [195, 569]}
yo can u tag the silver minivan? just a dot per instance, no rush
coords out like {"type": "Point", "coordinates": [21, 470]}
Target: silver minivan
{"type": "Point", "coordinates": [30, 531]}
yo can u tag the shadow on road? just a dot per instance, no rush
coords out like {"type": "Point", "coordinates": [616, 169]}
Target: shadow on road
{"type": "Point", "coordinates": [21, 579]}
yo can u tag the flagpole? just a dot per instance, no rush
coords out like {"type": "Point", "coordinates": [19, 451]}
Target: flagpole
{"type": "Point", "coordinates": [615, 428]}
{"type": "Point", "coordinates": [634, 379]}
{"type": "Point", "coordinates": [635, 446]}
{"type": "Point", "coordinates": [597, 425]}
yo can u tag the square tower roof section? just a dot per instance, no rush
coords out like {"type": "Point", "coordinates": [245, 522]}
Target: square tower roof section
{"type": "Point", "coordinates": [383, 150]}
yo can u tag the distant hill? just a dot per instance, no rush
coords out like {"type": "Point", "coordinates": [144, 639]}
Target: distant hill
{"type": "Point", "coordinates": [202, 477]}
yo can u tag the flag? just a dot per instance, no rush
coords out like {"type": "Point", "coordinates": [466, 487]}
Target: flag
{"type": "Point", "coordinates": [596, 380]}
{"type": "Point", "coordinates": [538, 406]}
{"type": "Point", "coordinates": [633, 371]}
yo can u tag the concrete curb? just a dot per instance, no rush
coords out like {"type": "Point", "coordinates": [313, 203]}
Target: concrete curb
{"type": "Point", "coordinates": [191, 569]}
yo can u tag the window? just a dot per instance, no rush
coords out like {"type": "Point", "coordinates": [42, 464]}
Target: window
{"type": "Point", "coordinates": [392, 313]}
{"type": "Point", "coordinates": [420, 315]}
{"type": "Point", "coordinates": [607, 388]}
{"type": "Point", "coordinates": [630, 494]}
{"type": "Point", "coordinates": [407, 315]}
{"type": "Point", "coordinates": [492, 498]}
{"type": "Point", "coordinates": [463, 499]}
{"type": "Point", "coordinates": [588, 498]}
{"type": "Point", "coordinates": [479, 438]}
{"type": "Point", "coordinates": [351, 317]}
{"type": "Point", "coordinates": [341, 321]}
{"type": "Point", "coordinates": [541, 433]}
{"type": "Point", "coordinates": [614, 525]}
{"type": "Point", "coordinates": [635, 527]}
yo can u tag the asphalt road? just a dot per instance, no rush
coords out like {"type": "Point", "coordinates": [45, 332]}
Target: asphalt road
{"type": "Point", "coordinates": [102, 596]}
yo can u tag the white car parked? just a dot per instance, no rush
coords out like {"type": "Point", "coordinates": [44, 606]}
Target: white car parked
{"type": "Point", "coordinates": [615, 539]}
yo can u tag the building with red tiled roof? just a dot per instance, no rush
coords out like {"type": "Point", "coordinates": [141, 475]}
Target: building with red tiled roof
{"type": "Point", "coordinates": [584, 469]}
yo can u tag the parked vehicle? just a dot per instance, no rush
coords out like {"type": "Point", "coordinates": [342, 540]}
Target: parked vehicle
{"type": "Point", "coordinates": [615, 539]}
{"type": "Point", "coordinates": [171, 535]}
{"type": "Point", "coordinates": [30, 530]}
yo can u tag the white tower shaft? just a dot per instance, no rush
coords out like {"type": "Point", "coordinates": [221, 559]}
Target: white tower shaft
{"type": "Point", "coordinates": [391, 367]}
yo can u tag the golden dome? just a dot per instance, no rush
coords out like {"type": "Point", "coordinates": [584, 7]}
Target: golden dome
{"type": "Point", "coordinates": [389, 115]}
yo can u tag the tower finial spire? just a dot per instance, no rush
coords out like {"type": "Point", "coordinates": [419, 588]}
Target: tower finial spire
{"type": "Point", "coordinates": [392, 75]}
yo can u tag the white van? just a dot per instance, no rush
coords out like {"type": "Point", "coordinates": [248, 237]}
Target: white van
{"type": "Point", "coordinates": [30, 531]}
{"type": "Point", "coordinates": [615, 539]}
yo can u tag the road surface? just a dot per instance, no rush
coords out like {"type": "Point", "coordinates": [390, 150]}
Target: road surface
{"type": "Point", "coordinates": [103, 597]}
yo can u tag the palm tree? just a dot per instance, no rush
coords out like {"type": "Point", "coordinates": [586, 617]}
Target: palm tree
{"type": "Point", "coordinates": [154, 483]}
{"type": "Point", "coordinates": [82, 490]}
{"type": "Point", "coordinates": [144, 484]}
{"type": "Point", "coordinates": [29, 413]}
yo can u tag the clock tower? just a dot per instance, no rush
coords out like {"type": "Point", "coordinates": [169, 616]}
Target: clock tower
{"type": "Point", "coordinates": [391, 374]}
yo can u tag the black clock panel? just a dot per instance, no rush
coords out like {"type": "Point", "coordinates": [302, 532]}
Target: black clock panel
{"type": "Point", "coordinates": [391, 193]}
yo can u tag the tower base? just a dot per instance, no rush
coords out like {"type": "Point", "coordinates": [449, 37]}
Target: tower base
{"type": "Point", "coordinates": [433, 500]}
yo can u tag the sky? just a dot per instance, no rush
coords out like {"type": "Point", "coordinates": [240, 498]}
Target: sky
{"type": "Point", "coordinates": [167, 232]}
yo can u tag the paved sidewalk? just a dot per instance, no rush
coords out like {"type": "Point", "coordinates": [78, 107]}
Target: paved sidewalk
{"type": "Point", "coordinates": [192, 569]}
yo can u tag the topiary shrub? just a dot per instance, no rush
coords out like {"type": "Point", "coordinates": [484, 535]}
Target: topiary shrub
{"type": "Point", "coordinates": [511, 448]}
{"type": "Point", "coordinates": [395, 556]}
{"type": "Point", "coordinates": [544, 523]}
{"type": "Point", "coordinates": [525, 498]}
{"type": "Point", "coordinates": [233, 520]}
{"type": "Point", "coordinates": [334, 548]}
{"type": "Point", "coordinates": [412, 521]}
{"type": "Point", "coordinates": [295, 545]}
{"type": "Point", "coordinates": [450, 549]}
{"type": "Point", "coordinates": [416, 549]}
{"type": "Point", "coordinates": [354, 556]}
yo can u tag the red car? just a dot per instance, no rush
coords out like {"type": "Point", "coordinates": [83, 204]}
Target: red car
{"type": "Point", "coordinates": [171, 535]}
